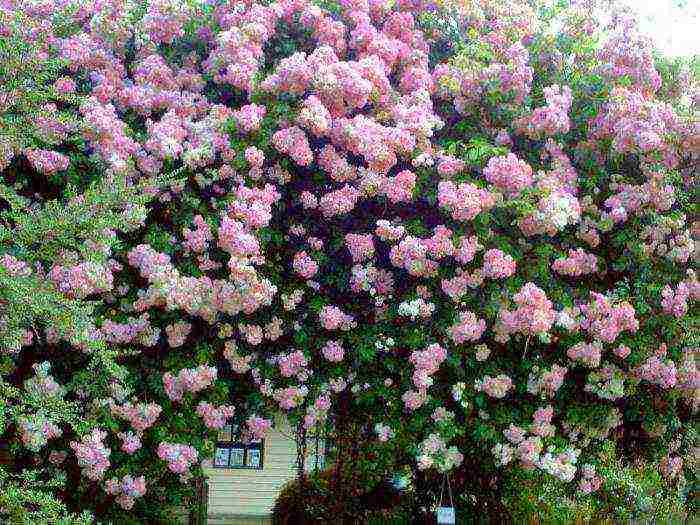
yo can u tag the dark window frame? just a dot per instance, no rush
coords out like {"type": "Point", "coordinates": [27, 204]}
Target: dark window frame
{"type": "Point", "coordinates": [236, 443]}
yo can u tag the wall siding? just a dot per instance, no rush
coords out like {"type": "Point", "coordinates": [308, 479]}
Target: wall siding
{"type": "Point", "coordinates": [242, 492]}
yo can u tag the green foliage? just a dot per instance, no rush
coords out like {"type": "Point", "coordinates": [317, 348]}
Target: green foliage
{"type": "Point", "coordinates": [27, 84]}
{"type": "Point", "coordinates": [90, 214]}
{"type": "Point", "coordinates": [628, 494]}
{"type": "Point", "coordinates": [27, 498]}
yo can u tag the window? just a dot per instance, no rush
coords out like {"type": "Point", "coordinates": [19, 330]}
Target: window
{"type": "Point", "coordinates": [231, 452]}
{"type": "Point", "coordinates": [319, 447]}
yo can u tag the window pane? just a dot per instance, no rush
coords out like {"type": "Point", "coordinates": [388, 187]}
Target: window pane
{"type": "Point", "coordinates": [237, 457]}
{"type": "Point", "coordinates": [225, 433]}
{"type": "Point", "coordinates": [254, 457]}
{"type": "Point", "coordinates": [221, 458]}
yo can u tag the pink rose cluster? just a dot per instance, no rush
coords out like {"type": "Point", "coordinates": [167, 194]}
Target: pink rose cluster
{"type": "Point", "coordinates": [333, 318]}
{"type": "Point", "coordinates": [236, 239]}
{"type": "Point", "coordinates": [200, 296]}
{"type": "Point", "coordinates": [15, 267]}
{"type": "Point", "coordinates": [464, 201]}
{"type": "Point", "coordinates": [675, 302]}
{"type": "Point", "coordinates": [177, 333]}
{"type": "Point", "coordinates": [252, 333]}
{"type": "Point", "coordinates": [606, 321]}
{"type": "Point", "coordinates": [239, 47]}
{"type": "Point", "coordinates": [496, 387]}
{"type": "Point", "coordinates": [290, 397]}
{"type": "Point", "coordinates": [629, 53]}
{"type": "Point", "coordinates": [314, 116]}
{"type": "Point", "coordinates": [92, 454]}
{"type": "Point", "coordinates": [555, 211]}
{"type": "Point", "coordinates": [82, 280]}
{"type": "Point", "coordinates": [546, 382]}
{"type": "Point", "coordinates": [178, 457]}
{"type": "Point", "coordinates": [126, 490]}
{"type": "Point", "coordinates": [165, 21]}
{"type": "Point", "coordinates": [135, 329]}
{"type": "Point", "coordinates": [426, 363]}
{"type": "Point", "coordinates": [249, 117]}
{"type": "Point", "coordinates": [542, 422]}
{"type": "Point", "coordinates": [304, 265]}
{"type": "Point", "coordinates": [552, 118]}
{"type": "Point", "coordinates": [420, 256]}
{"type": "Point", "coordinates": [449, 166]}
{"type": "Point", "coordinates": [214, 417]}
{"type": "Point", "coordinates": [467, 328]}
{"type": "Point", "coordinates": [467, 249]}
{"type": "Point", "coordinates": [292, 141]}
{"type": "Point", "coordinates": [578, 262]}
{"type": "Point", "coordinates": [47, 162]}
{"type": "Point", "coordinates": [340, 201]}
{"type": "Point", "coordinates": [534, 314]}
{"type": "Point", "coordinates": [131, 442]}
{"type": "Point", "coordinates": [257, 427]}
{"type": "Point", "coordinates": [293, 364]}
{"type": "Point", "coordinates": [639, 124]}
{"type": "Point", "coordinates": [587, 353]}
{"type": "Point", "coordinates": [333, 351]}
{"type": "Point", "coordinates": [167, 136]}
{"type": "Point", "coordinates": [36, 430]}
{"type": "Point", "coordinates": [509, 173]}
{"type": "Point", "coordinates": [191, 380]}
{"type": "Point", "coordinates": [197, 240]}
{"type": "Point", "coordinates": [459, 286]}
{"type": "Point", "coordinates": [657, 370]}
{"type": "Point", "coordinates": [590, 480]}
{"type": "Point", "coordinates": [336, 165]}
{"type": "Point", "coordinates": [370, 279]}
{"type": "Point", "coordinates": [317, 412]}
{"type": "Point", "coordinates": [254, 156]}
{"type": "Point", "coordinates": [141, 415]}
{"type": "Point", "coordinates": [528, 449]}
{"type": "Point", "coordinates": [400, 187]}
{"type": "Point", "coordinates": [389, 232]}
{"type": "Point", "coordinates": [108, 134]}
{"type": "Point", "coordinates": [361, 246]}
{"type": "Point", "coordinates": [637, 199]}
{"type": "Point", "coordinates": [434, 452]}
{"type": "Point", "coordinates": [498, 265]}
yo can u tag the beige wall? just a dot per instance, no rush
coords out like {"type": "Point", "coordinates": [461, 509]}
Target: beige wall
{"type": "Point", "coordinates": [247, 492]}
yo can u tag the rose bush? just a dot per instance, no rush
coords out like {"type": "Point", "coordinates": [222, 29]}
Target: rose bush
{"type": "Point", "coordinates": [462, 230]}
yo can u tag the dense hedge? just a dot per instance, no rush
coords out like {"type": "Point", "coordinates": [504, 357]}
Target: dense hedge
{"type": "Point", "coordinates": [453, 237]}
